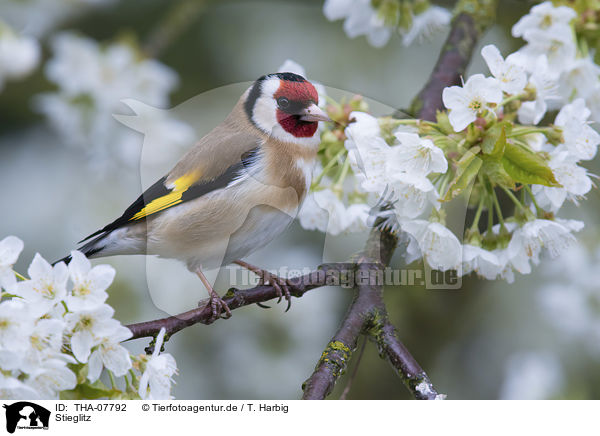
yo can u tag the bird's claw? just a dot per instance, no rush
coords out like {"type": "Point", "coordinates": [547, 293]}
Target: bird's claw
{"type": "Point", "coordinates": [281, 286]}
{"type": "Point", "coordinates": [218, 307]}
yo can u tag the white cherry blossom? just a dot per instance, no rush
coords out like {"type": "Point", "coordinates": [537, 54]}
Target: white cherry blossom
{"type": "Point", "coordinates": [528, 241]}
{"type": "Point", "coordinates": [416, 155]}
{"type": "Point", "coordinates": [593, 103]}
{"type": "Point", "coordinates": [511, 75]}
{"type": "Point", "coordinates": [580, 79]}
{"type": "Point", "coordinates": [54, 377]}
{"type": "Point", "coordinates": [311, 216]}
{"type": "Point", "coordinates": [88, 327]}
{"type": "Point", "coordinates": [573, 178]}
{"type": "Point", "coordinates": [110, 354]}
{"type": "Point", "coordinates": [470, 100]}
{"type": "Point", "coordinates": [439, 247]}
{"type": "Point", "coordinates": [19, 54]}
{"type": "Point", "coordinates": [323, 210]}
{"type": "Point", "coordinates": [357, 216]}
{"type": "Point", "coordinates": [546, 90]}
{"type": "Point", "coordinates": [10, 248]}
{"type": "Point", "coordinates": [360, 19]}
{"type": "Point", "coordinates": [337, 9]}
{"type": "Point", "coordinates": [414, 195]}
{"type": "Point", "coordinates": [544, 17]}
{"type": "Point", "coordinates": [484, 263]}
{"type": "Point", "coordinates": [89, 284]}
{"type": "Point", "coordinates": [572, 225]}
{"type": "Point", "coordinates": [38, 342]}
{"type": "Point", "coordinates": [580, 138]}
{"type": "Point", "coordinates": [45, 341]}
{"type": "Point", "coordinates": [47, 286]}
{"type": "Point", "coordinates": [424, 25]}
{"type": "Point", "coordinates": [368, 152]}
{"type": "Point", "coordinates": [13, 388]}
{"type": "Point", "coordinates": [16, 324]}
{"type": "Point", "coordinates": [155, 383]}
{"type": "Point", "coordinates": [557, 45]}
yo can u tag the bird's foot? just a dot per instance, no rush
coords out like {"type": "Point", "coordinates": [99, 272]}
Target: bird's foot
{"type": "Point", "coordinates": [216, 303]}
{"type": "Point", "coordinates": [218, 306]}
{"type": "Point", "coordinates": [282, 286]}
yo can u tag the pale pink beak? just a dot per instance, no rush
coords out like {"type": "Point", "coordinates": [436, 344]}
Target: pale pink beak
{"type": "Point", "coordinates": [314, 113]}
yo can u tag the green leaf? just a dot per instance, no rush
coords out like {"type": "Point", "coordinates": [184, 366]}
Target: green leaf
{"type": "Point", "coordinates": [89, 391]}
{"type": "Point", "coordinates": [525, 166]}
{"type": "Point", "coordinates": [80, 370]}
{"type": "Point", "coordinates": [495, 172]}
{"type": "Point", "coordinates": [494, 141]}
{"type": "Point", "coordinates": [443, 122]}
{"type": "Point", "coordinates": [467, 170]}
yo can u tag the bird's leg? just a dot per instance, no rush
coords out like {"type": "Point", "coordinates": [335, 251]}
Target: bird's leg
{"type": "Point", "coordinates": [216, 303]}
{"type": "Point", "coordinates": [281, 285]}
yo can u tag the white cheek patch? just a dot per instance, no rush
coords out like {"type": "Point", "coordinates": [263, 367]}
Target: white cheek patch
{"type": "Point", "coordinates": [264, 113]}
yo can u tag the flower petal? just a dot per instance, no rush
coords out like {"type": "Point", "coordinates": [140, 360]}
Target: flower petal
{"type": "Point", "coordinates": [79, 266]}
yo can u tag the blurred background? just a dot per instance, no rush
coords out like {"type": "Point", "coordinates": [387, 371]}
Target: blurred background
{"type": "Point", "coordinates": [67, 167]}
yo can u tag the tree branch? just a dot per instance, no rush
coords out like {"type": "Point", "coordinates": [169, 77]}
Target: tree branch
{"type": "Point", "coordinates": [236, 298]}
{"type": "Point", "coordinates": [471, 19]}
{"type": "Point", "coordinates": [368, 315]}
{"type": "Point", "coordinates": [411, 373]}
{"type": "Point", "coordinates": [333, 362]}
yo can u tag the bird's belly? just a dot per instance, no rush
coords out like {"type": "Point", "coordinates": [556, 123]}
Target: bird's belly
{"type": "Point", "coordinates": [258, 230]}
{"type": "Point", "coordinates": [205, 245]}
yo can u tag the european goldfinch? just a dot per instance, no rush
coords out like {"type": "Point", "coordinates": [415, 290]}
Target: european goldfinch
{"type": "Point", "coordinates": [233, 192]}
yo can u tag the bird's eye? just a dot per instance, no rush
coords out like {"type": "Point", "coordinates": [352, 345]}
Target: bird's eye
{"type": "Point", "coordinates": [283, 102]}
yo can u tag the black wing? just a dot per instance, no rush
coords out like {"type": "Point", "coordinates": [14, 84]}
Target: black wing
{"type": "Point", "coordinates": [158, 197]}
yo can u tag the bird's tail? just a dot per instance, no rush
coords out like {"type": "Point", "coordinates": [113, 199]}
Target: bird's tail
{"type": "Point", "coordinates": [89, 249]}
{"type": "Point", "coordinates": [65, 259]}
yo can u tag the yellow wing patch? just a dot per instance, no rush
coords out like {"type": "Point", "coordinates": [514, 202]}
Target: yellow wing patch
{"type": "Point", "coordinates": [171, 199]}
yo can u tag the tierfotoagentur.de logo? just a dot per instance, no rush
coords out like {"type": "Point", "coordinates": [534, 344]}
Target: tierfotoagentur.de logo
{"type": "Point", "coordinates": [26, 415]}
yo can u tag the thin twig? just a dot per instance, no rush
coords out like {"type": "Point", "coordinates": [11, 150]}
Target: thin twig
{"type": "Point", "coordinates": [235, 299]}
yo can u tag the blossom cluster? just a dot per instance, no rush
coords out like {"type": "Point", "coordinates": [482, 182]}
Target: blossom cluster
{"type": "Point", "coordinates": [19, 54]}
{"type": "Point", "coordinates": [57, 334]}
{"type": "Point", "coordinates": [495, 148]}
{"type": "Point", "coordinates": [415, 20]}
{"type": "Point", "coordinates": [92, 81]}
{"type": "Point", "coordinates": [559, 59]}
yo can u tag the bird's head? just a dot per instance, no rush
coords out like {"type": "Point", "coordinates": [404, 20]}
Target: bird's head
{"type": "Point", "coordinates": [285, 106]}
